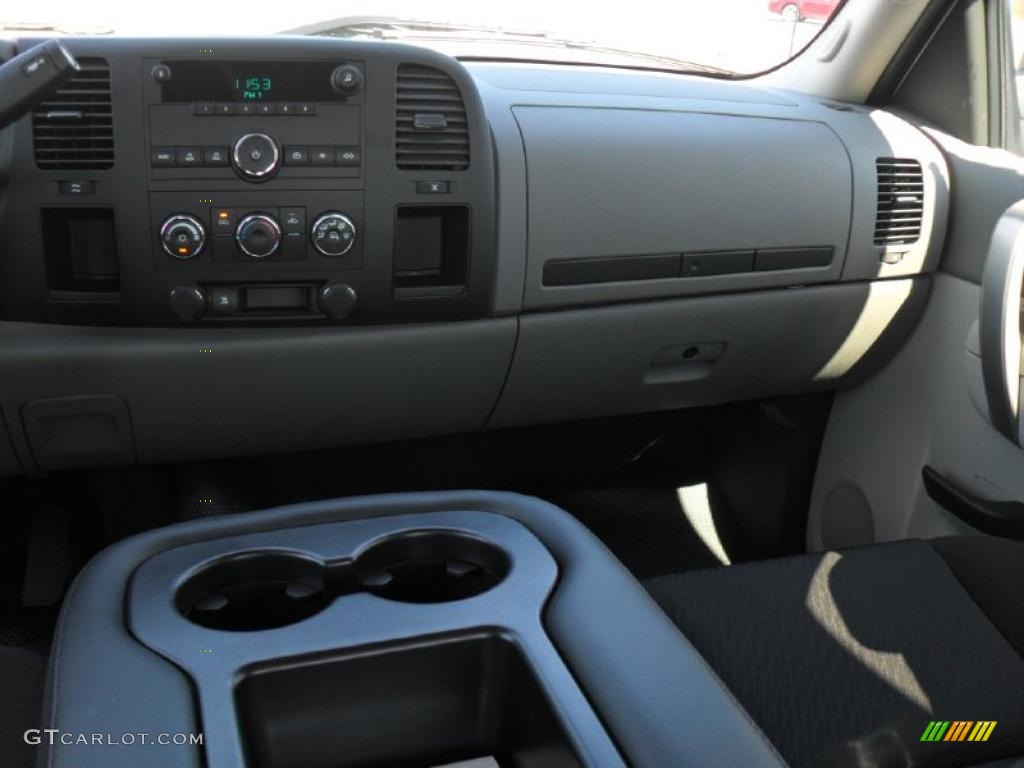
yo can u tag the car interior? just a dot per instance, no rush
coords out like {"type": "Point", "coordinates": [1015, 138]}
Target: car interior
{"type": "Point", "coordinates": [365, 404]}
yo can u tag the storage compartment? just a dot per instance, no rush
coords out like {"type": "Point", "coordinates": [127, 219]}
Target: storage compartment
{"type": "Point", "coordinates": [80, 248]}
{"type": "Point", "coordinates": [265, 589]}
{"type": "Point", "coordinates": [431, 250]}
{"type": "Point", "coordinates": [84, 431]}
{"type": "Point", "coordinates": [413, 706]}
{"type": "Point", "coordinates": [700, 184]}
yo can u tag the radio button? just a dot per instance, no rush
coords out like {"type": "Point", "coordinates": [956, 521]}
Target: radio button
{"type": "Point", "coordinates": [321, 156]}
{"type": "Point", "coordinates": [247, 108]}
{"type": "Point", "coordinates": [203, 108]}
{"type": "Point", "coordinates": [305, 109]}
{"type": "Point", "coordinates": [188, 156]}
{"type": "Point", "coordinates": [264, 108]}
{"type": "Point", "coordinates": [162, 156]}
{"type": "Point", "coordinates": [296, 155]}
{"type": "Point", "coordinates": [347, 156]}
{"type": "Point", "coordinates": [215, 156]}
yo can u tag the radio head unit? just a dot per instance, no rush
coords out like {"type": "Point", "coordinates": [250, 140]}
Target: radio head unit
{"type": "Point", "coordinates": [255, 120]}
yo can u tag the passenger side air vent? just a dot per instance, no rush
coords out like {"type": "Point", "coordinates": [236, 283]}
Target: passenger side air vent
{"type": "Point", "coordinates": [430, 128]}
{"type": "Point", "coordinates": [900, 201]}
{"type": "Point", "coordinates": [74, 128]}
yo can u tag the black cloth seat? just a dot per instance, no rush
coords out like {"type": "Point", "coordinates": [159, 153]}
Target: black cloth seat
{"type": "Point", "coordinates": [843, 658]}
{"type": "Point", "coordinates": [21, 691]}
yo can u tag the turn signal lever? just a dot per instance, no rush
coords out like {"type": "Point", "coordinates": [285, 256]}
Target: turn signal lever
{"type": "Point", "coordinates": [31, 76]}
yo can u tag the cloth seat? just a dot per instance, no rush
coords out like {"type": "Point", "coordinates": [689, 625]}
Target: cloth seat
{"type": "Point", "coordinates": [844, 658]}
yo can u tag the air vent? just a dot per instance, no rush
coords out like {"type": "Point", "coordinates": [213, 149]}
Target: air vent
{"type": "Point", "coordinates": [431, 133]}
{"type": "Point", "coordinates": [900, 201]}
{"type": "Point", "coordinates": [74, 128]}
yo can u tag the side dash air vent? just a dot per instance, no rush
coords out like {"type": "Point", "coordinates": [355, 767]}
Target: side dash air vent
{"type": "Point", "coordinates": [900, 201]}
{"type": "Point", "coordinates": [430, 128]}
{"type": "Point", "coordinates": [74, 128]}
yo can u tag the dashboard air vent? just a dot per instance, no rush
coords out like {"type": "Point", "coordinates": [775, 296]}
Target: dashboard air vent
{"type": "Point", "coordinates": [430, 129]}
{"type": "Point", "coordinates": [74, 128]}
{"type": "Point", "coordinates": [900, 201]}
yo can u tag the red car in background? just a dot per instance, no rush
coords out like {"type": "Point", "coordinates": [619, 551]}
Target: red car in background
{"type": "Point", "coordinates": [796, 10]}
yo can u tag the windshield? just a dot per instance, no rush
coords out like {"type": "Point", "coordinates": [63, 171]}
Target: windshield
{"type": "Point", "coordinates": [730, 36]}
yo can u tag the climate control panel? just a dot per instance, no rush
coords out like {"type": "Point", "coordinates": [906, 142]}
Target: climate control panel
{"type": "Point", "coordinates": [255, 232]}
{"type": "Point", "coordinates": [257, 235]}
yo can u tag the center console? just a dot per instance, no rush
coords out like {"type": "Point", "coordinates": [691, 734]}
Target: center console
{"type": "Point", "coordinates": [415, 630]}
{"type": "Point", "coordinates": [307, 645]}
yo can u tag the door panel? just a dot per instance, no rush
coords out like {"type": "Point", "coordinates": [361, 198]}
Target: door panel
{"type": "Point", "coordinates": [918, 410]}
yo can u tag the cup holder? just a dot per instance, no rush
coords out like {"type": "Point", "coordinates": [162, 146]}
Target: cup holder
{"type": "Point", "coordinates": [264, 589]}
{"type": "Point", "coordinates": [253, 591]}
{"type": "Point", "coordinates": [431, 567]}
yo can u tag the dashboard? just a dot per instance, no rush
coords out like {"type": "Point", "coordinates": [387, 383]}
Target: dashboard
{"type": "Point", "coordinates": [217, 247]}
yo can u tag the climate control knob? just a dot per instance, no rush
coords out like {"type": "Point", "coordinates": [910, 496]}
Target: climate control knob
{"type": "Point", "coordinates": [182, 236]}
{"type": "Point", "coordinates": [256, 156]}
{"type": "Point", "coordinates": [333, 234]}
{"type": "Point", "coordinates": [258, 235]}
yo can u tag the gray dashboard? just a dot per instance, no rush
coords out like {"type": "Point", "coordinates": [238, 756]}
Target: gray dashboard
{"type": "Point", "coordinates": [640, 241]}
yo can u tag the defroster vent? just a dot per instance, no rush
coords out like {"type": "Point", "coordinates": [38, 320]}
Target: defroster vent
{"type": "Point", "coordinates": [900, 201]}
{"type": "Point", "coordinates": [430, 129]}
{"type": "Point", "coordinates": [74, 128]}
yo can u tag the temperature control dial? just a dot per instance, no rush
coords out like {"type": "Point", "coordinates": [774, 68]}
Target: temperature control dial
{"type": "Point", "coordinates": [256, 156]}
{"type": "Point", "coordinates": [182, 236]}
{"type": "Point", "coordinates": [333, 234]}
{"type": "Point", "coordinates": [258, 235]}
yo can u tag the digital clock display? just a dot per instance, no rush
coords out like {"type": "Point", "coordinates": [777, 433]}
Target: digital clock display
{"type": "Point", "coordinates": [253, 88]}
{"type": "Point", "coordinates": [252, 81]}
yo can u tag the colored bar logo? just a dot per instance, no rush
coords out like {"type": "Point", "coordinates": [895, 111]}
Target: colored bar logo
{"type": "Point", "coordinates": [958, 730]}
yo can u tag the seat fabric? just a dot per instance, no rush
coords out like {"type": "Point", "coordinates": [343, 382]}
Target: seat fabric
{"type": "Point", "coordinates": [843, 658]}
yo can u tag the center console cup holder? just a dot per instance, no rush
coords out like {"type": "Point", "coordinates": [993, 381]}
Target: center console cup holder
{"type": "Point", "coordinates": [265, 589]}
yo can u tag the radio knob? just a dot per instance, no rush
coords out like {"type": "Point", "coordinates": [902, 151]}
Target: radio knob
{"type": "Point", "coordinates": [333, 234]}
{"type": "Point", "coordinates": [256, 157]}
{"type": "Point", "coordinates": [258, 235]}
{"type": "Point", "coordinates": [182, 236]}
{"type": "Point", "coordinates": [346, 79]}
